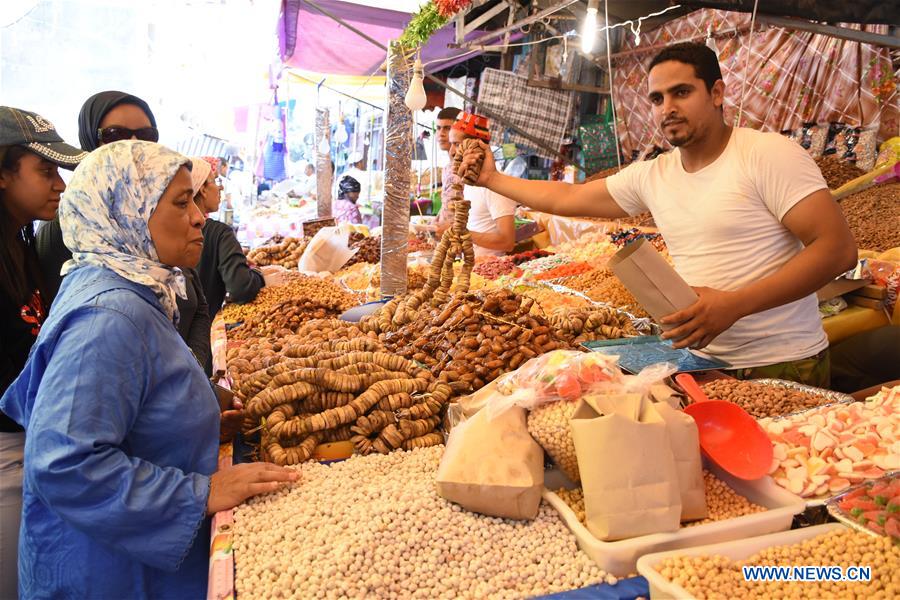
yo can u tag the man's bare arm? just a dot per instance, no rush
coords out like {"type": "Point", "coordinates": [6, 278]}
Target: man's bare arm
{"type": "Point", "coordinates": [503, 239]}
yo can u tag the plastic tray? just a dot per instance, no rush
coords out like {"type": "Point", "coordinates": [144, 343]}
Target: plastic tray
{"type": "Point", "coordinates": [620, 557]}
{"type": "Point", "coordinates": [663, 589]}
{"type": "Point", "coordinates": [835, 511]}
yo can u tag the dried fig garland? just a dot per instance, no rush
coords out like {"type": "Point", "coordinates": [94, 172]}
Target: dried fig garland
{"type": "Point", "coordinates": [342, 391]}
{"type": "Point", "coordinates": [588, 324]}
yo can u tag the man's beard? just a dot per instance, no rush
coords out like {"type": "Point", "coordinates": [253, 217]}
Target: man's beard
{"type": "Point", "coordinates": [680, 139]}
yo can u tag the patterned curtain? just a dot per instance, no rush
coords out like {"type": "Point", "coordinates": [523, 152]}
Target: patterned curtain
{"type": "Point", "coordinates": [793, 77]}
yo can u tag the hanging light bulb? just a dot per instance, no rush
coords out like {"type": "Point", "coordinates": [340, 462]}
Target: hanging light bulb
{"type": "Point", "coordinates": [324, 146]}
{"type": "Point", "coordinates": [341, 136]}
{"type": "Point", "coordinates": [710, 41]}
{"type": "Point", "coordinates": [589, 27]}
{"type": "Point", "coordinates": [415, 95]}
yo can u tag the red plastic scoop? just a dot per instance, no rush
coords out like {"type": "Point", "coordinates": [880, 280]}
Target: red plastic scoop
{"type": "Point", "coordinates": [729, 436]}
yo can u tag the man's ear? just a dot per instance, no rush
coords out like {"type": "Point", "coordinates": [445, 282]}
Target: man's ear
{"type": "Point", "coordinates": [718, 93]}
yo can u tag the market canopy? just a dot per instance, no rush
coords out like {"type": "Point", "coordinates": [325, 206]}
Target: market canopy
{"type": "Point", "coordinates": [312, 41]}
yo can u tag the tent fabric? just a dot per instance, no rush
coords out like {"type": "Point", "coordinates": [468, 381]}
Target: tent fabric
{"type": "Point", "coordinates": [312, 41]}
{"type": "Point", "coordinates": [794, 77]}
{"type": "Point", "coordinates": [867, 12]}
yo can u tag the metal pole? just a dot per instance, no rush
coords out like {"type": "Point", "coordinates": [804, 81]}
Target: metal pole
{"type": "Point", "coordinates": [324, 174]}
{"type": "Point", "coordinates": [526, 21]}
{"type": "Point", "coordinates": [487, 112]}
{"type": "Point", "coordinates": [397, 157]}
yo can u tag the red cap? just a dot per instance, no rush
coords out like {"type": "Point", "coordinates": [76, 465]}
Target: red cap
{"type": "Point", "coordinates": [473, 125]}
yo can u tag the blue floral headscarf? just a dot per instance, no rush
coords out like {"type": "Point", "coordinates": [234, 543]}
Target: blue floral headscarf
{"type": "Point", "coordinates": [105, 210]}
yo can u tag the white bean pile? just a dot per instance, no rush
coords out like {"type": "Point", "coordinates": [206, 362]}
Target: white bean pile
{"type": "Point", "coordinates": [374, 527]}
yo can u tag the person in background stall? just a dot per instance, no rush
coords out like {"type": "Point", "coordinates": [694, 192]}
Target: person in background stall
{"type": "Point", "coordinates": [746, 215]}
{"type": "Point", "coordinates": [345, 209]}
{"type": "Point", "coordinates": [492, 221]}
{"type": "Point", "coordinates": [122, 442]}
{"type": "Point", "coordinates": [223, 266]}
{"type": "Point", "coordinates": [107, 117]}
{"type": "Point", "coordinates": [445, 119]}
{"type": "Point", "coordinates": [31, 153]}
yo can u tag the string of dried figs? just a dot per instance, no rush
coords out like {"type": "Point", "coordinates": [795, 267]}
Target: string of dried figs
{"type": "Point", "coordinates": [286, 254]}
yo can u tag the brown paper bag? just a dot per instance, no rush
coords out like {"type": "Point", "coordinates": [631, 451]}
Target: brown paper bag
{"type": "Point", "coordinates": [651, 280]}
{"type": "Point", "coordinates": [628, 471]}
{"type": "Point", "coordinates": [685, 442]}
{"type": "Point", "coordinates": [493, 466]}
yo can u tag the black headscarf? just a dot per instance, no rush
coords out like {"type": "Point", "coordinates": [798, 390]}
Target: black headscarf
{"type": "Point", "coordinates": [347, 185]}
{"type": "Point", "coordinates": [96, 107]}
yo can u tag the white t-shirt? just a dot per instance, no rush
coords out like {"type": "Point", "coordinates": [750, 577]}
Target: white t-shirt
{"type": "Point", "coordinates": [723, 229]}
{"type": "Point", "coordinates": [486, 208]}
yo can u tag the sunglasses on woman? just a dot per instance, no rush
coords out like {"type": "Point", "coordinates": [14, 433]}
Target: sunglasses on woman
{"type": "Point", "coordinates": [109, 135]}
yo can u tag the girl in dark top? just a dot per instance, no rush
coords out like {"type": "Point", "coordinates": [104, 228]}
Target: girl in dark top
{"type": "Point", "coordinates": [223, 265]}
{"type": "Point", "coordinates": [107, 117]}
{"type": "Point", "coordinates": [30, 188]}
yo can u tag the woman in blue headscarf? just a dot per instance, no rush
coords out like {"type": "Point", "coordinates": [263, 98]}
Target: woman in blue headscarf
{"type": "Point", "coordinates": [122, 425]}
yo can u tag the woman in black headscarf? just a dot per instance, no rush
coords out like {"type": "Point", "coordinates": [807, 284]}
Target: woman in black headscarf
{"type": "Point", "coordinates": [345, 209]}
{"type": "Point", "coordinates": [105, 118]}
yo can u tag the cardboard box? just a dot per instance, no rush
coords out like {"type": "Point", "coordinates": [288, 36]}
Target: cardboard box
{"type": "Point", "coordinates": [839, 287]}
{"type": "Point", "coordinates": [651, 280]}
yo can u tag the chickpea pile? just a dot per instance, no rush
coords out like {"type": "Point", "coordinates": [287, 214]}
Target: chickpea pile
{"type": "Point", "coordinates": [331, 536]}
{"type": "Point", "coordinates": [718, 577]}
{"type": "Point", "coordinates": [614, 293]}
{"type": "Point", "coordinates": [549, 299]}
{"type": "Point", "coordinates": [722, 501]}
{"type": "Point", "coordinates": [761, 400]}
{"type": "Point", "coordinates": [548, 424]}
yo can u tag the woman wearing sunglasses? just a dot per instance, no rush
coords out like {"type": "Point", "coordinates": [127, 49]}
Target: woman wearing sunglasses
{"type": "Point", "coordinates": [108, 117]}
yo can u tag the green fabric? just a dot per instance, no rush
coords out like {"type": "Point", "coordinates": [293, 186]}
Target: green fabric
{"type": "Point", "coordinates": [814, 371]}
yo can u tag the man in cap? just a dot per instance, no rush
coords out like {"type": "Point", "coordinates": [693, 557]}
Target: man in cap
{"type": "Point", "coordinates": [491, 216]}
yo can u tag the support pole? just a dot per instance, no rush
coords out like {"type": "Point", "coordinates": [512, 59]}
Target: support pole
{"type": "Point", "coordinates": [397, 160]}
{"type": "Point", "coordinates": [324, 174]}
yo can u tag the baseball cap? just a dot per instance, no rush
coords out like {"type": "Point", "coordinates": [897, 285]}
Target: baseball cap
{"type": "Point", "coordinates": [34, 132]}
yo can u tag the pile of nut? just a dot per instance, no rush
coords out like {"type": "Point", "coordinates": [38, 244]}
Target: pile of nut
{"type": "Point", "coordinates": [342, 391]}
{"type": "Point", "coordinates": [470, 340]}
{"type": "Point", "coordinates": [280, 310]}
{"type": "Point", "coordinates": [421, 242]}
{"type": "Point", "coordinates": [589, 280]}
{"type": "Point", "coordinates": [286, 254]}
{"type": "Point", "coordinates": [375, 527]}
{"type": "Point", "coordinates": [837, 172]}
{"type": "Point", "coordinates": [873, 215]}
{"type": "Point", "coordinates": [720, 577]}
{"type": "Point", "coordinates": [722, 502]}
{"type": "Point", "coordinates": [761, 400]}
{"type": "Point", "coordinates": [588, 324]}
{"type": "Point", "coordinates": [548, 424]}
{"type": "Point", "coordinates": [368, 250]}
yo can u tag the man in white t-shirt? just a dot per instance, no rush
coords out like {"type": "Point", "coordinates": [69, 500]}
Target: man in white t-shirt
{"type": "Point", "coordinates": [747, 217]}
{"type": "Point", "coordinates": [492, 221]}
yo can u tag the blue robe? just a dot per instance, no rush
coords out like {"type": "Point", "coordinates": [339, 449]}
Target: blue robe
{"type": "Point", "coordinates": [122, 434]}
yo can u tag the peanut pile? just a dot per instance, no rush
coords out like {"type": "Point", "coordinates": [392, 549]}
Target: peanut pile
{"type": "Point", "coordinates": [549, 299]}
{"type": "Point", "coordinates": [760, 400]}
{"type": "Point", "coordinates": [280, 310]}
{"type": "Point", "coordinates": [722, 502]}
{"type": "Point", "coordinates": [716, 577]}
{"type": "Point", "coordinates": [837, 172]}
{"type": "Point", "coordinates": [873, 216]}
{"type": "Point", "coordinates": [468, 341]}
{"type": "Point", "coordinates": [286, 254]}
{"type": "Point", "coordinates": [613, 292]}
{"type": "Point", "coordinates": [330, 536]}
